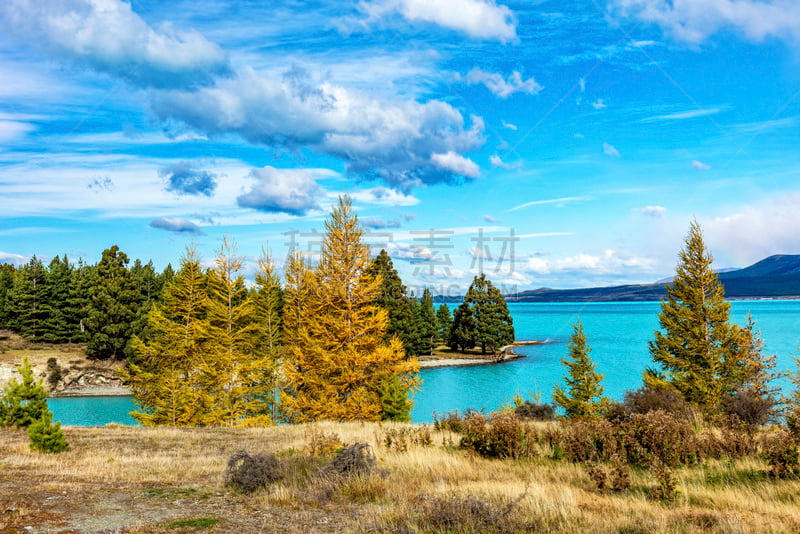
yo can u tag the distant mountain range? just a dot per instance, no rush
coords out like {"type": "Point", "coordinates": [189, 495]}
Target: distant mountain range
{"type": "Point", "coordinates": [774, 277]}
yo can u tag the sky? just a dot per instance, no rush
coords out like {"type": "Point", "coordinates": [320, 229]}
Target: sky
{"type": "Point", "coordinates": [545, 143]}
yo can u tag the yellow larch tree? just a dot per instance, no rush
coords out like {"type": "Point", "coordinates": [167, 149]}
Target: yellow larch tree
{"type": "Point", "coordinates": [166, 380]}
{"type": "Point", "coordinates": [337, 361]}
{"type": "Point", "coordinates": [267, 309]}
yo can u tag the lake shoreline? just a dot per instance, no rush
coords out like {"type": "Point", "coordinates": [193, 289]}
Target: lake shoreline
{"type": "Point", "coordinates": [466, 361]}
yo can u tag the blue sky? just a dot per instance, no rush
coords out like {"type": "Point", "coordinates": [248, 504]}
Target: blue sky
{"type": "Point", "coordinates": [557, 144]}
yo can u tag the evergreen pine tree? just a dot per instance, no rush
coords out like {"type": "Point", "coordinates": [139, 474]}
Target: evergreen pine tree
{"type": "Point", "coordinates": [493, 324]}
{"type": "Point", "coordinates": [167, 379]}
{"type": "Point", "coordinates": [394, 299]}
{"type": "Point", "coordinates": [57, 327]}
{"type": "Point", "coordinates": [47, 436]}
{"type": "Point", "coordinates": [7, 273]}
{"type": "Point", "coordinates": [700, 354]}
{"type": "Point", "coordinates": [443, 321]}
{"type": "Point", "coordinates": [395, 404]}
{"type": "Point", "coordinates": [112, 307]}
{"type": "Point", "coordinates": [584, 394]}
{"type": "Point", "coordinates": [427, 325]}
{"type": "Point", "coordinates": [78, 300]}
{"type": "Point", "coordinates": [462, 329]}
{"type": "Point", "coordinates": [28, 300]}
{"type": "Point", "coordinates": [338, 359]}
{"type": "Point", "coordinates": [23, 402]}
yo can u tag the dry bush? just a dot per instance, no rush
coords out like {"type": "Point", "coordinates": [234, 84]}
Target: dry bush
{"type": "Point", "coordinates": [469, 514]}
{"type": "Point", "coordinates": [666, 489]}
{"type": "Point", "coordinates": [355, 459]}
{"type": "Point", "coordinates": [783, 457]}
{"type": "Point", "coordinates": [503, 435]}
{"type": "Point", "coordinates": [749, 407]}
{"type": "Point", "coordinates": [249, 472]}
{"type": "Point", "coordinates": [452, 421]}
{"type": "Point", "coordinates": [399, 439]}
{"type": "Point", "coordinates": [644, 400]}
{"type": "Point", "coordinates": [535, 412]}
{"type": "Point", "coordinates": [616, 478]}
{"type": "Point", "coordinates": [659, 437]}
{"type": "Point", "coordinates": [586, 440]}
{"type": "Point", "coordinates": [324, 445]}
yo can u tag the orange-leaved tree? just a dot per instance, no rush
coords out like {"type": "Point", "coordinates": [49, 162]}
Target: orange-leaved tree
{"type": "Point", "coordinates": [337, 361]}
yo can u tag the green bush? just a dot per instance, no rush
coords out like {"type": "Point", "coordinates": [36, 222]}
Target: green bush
{"type": "Point", "coordinates": [24, 402]}
{"type": "Point", "coordinates": [46, 436]}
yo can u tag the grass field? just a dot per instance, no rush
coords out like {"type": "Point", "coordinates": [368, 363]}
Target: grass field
{"type": "Point", "coordinates": [122, 479]}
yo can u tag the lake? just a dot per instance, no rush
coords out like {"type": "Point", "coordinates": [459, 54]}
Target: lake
{"type": "Point", "coordinates": [617, 332]}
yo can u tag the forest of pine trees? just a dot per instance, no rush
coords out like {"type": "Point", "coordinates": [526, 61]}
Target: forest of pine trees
{"type": "Point", "coordinates": [203, 346]}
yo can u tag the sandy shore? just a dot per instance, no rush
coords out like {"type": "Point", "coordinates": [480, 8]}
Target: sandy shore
{"type": "Point", "coordinates": [510, 355]}
{"type": "Point", "coordinates": [93, 391]}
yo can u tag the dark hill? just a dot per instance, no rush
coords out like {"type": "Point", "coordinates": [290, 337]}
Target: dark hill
{"type": "Point", "coordinates": [774, 277]}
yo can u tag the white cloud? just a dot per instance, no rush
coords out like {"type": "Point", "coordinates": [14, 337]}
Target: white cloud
{"type": "Point", "coordinates": [582, 84]}
{"type": "Point", "coordinates": [176, 225]}
{"type": "Point", "coordinates": [12, 130]}
{"type": "Point", "coordinates": [609, 262]}
{"type": "Point", "coordinates": [695, 20]}
{"type": "Point", "coordinates": [599, 104]}
{"type": "Point", "coordinates": [700, 166]}
{"type": "Point", "coordinates": [558, 201]}
{"type": "Point", "coordinates": [13, 259]}
{"type": "Point", "coordinates": [758, 230]}
{"type": "Point", "coordinates": [291, 191]}
{"type": "Point", "coordinates": [496, 161]}
{"type": "Point", "coordinates": [656, 212]}
{"type": "Point", "coordinates": [499, 86]}
{"type": "Point", "coordinates": [509, 125]}
{"type": "Point", "coordinates": [610, 150]}
{"type": "Point", "coordinates": [377, 223]}
{"type": "Point", "coordinates": [490, 219]}
{"type": "Point", "coordinates": [480, 19]}
{"type": "Point", "coordinates": [110, 37]}
{"type": "Point", "coordinates": [683, 115]}
{"type": "Point", "coordinates": [455, 163]}
{"type": "Point", "coordinates": [384, 197]}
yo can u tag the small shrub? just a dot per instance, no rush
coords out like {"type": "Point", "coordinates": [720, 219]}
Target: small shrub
{"type": "Point", "coordinates": [666, 490]}
{"type": "Point", "coordinates": [452, 421]}
{"type": "Point", "coordinates": [355, 459]}
{"type": "Point", "coordinates": [620, 476]}
{"type": "Point", "coordinates": [503, 435]}
{"type": "Point", "coordinates": [469, 513]}
{"type": "Point", "coordinates": [53, 372]}
{"type": "Point", "coordinates": [249, 472]}
{"type": "Point", "coordinates": [324, 445]}
{"type": "Point", "coordinates": [399, 439]}
{"type": "Point", "coordinates": [46, 436]}
{"type": "Point", "coordinates": [783, 457]}
{"type": "Point", "coordinates": [749, 407]}
{"type": "Point", "coordinates": [589, 440]}
{"type": "Point", "coordinates": [535, 411]}
{"type": "Point", "coordinates": [24, 402]}
{"type": "Point", "coordinates": [659, 436]}
{"type": "Point", "coordinates": [644, 400]}
{"type": "Point", "coordinates": [598, 475]}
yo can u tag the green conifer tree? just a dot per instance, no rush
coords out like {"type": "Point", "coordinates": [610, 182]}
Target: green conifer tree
{"type": "Point", "coordinates": [395, 404]}
{"type": "Point", "coordinates": [584, 394]}
{"type": "Point", "coordinates": [394, 299]}
{"type": "Point", "coordinates": [23, 402]}
{"type": "Point", "coordinates": [493, 324]}
{"type": "Point", "coordinates": [698, 352]}
{"type": "Point", "coordinates": [78, 300]}
{"type": "Point", "coordinates": [57, 327]}
{"type": "Point", "coordinates": [28, 300]}
{"type": "Point", "coordinates": [443, 322]}
{"type": "Point", "coordinates": [462, 329]}
{"type": "Point", "coordinates": [46, 436]}
{"type": "Point", "coordinates": [113, 304]}
{"type": "Point", "coordinates": [7, 275]}
{"type": "Point", "coordinates": [426, 330]}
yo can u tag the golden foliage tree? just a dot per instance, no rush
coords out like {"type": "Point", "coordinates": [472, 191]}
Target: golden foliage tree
{"type": "Point", "coordinates": [337, 361]}
{"type": "Point", "coordinates": [166, 381]}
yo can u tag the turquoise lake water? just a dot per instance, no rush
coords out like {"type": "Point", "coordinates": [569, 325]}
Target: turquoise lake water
{"type": "Point", "coordinates": [617, 332]}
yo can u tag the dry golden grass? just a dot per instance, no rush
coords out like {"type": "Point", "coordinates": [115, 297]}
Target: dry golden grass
{"type": "Point", "coordinates": [118, 478]}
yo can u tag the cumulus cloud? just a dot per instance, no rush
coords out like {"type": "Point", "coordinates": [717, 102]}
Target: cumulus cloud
{"type": "Point", "coordinates": [411, 253]}
{"type": "Point", "coordinates": [656, 212]}
{"type": "Point", "coordinates": [609, 262]}
{"type": "Point", "coordinates": [378, 223]}
{"type": "Point", "coordinates": [109, 37]}
{"type": "Point", "coordinates": [456, 163]}
{"type": "Point", "coordinates": [190, 84]}
{"type": "Point", "coordinates": [501, 87]}
{"type": "Point", "coordinates": [693, 21]}
{"type": "Point", "coordinates": [291, 191]}
{"type": "Point", "coordinates": [758, 230]}
{"type": "Point", "coordinates": [184, 179]}
{"type": "Point", "coordinates": [496, 161]}
{"type": "Point", "coordinates": [176, 225]}
{"type": "Point", "coordinates": [392, 141]}
{"type": "Point", "coordinates": [480, 19]}
{"type": "Point", "coordinates": [610, 150]}
{"type": "Point", "coordinates": [700, 166]}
